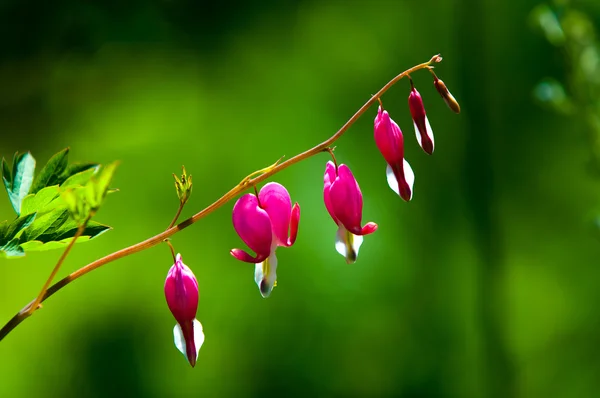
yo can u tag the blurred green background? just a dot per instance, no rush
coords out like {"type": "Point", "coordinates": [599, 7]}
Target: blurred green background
{"type": "Point", "coordinates": [485, 285]}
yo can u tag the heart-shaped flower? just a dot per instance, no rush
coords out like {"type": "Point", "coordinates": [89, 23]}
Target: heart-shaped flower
{"type": "Point", "coordinates": [264, 223]}
{"type": "Point", "coordinates": [344, 202]}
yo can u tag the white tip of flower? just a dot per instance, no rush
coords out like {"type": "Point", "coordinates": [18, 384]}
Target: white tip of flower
{"type": "Point", "coordinates": [265, 275]}
{"type": "Point", "coordinates": [391, 179]}
{"type": "Point", "coordinates": [409, 176]}
{"type": "Point", "coordinates": [347, 244]}
{"type": "Point", "coordinates": [418, 134]}
{"type": "Point", "coordinates": [428, 131]}
{"type": "Point", "coordinates": [180, 340]}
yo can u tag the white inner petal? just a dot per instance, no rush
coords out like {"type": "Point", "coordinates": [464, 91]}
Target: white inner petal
{"type": "Point", "coordinates": [418, 134]}
{"type": "Point", "coordinates": [391, 180]}
{"type": "Point", "coordinates": [265, 274]}
{"type": "Point", "coordinates": [198, 336]}
{"type": "Point", "coordinates": [429, 130]}
{"type": "Point", "coordinates": [179, 339]}
{"type": "Point", "coordinates": [347, 244]}
{"type": "Point", "coordinates": [409, 175]}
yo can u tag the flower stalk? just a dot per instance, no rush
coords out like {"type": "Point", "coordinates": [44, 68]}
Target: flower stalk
{"type": "Point", "coordinates": [250, 181]}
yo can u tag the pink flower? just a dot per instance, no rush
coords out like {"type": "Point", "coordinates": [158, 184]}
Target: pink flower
{"type": "Point", "coordinates": [390, 142]}
{"type": "Point", "coordinates": [422, 127]}
{"type": "Point", "coordinates": [264, 223]}
{"type": "Point", "coordinates": [181, 292]}
{"type": "Point", "coordinates": [344, 203]}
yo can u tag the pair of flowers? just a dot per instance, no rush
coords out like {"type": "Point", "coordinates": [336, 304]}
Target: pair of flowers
{"type": "Point", "coordinates": [269, 220]}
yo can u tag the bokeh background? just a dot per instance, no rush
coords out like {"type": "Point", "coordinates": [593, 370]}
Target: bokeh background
{"type": "Point", "coordinates": [485, 285]}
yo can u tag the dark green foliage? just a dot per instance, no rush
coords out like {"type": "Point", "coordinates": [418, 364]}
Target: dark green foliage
{"type": "Point", "coordinates": [46, 202]}
{"type": "Point", "coordinates": [19, 180]}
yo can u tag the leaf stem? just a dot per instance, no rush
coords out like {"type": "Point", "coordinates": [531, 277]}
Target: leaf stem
{"type": "Point", "coordinates": [246, 183]}
{"type": "Point", "coordinates": [181, 204]}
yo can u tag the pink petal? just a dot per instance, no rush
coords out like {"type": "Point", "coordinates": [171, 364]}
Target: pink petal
{"type": "Point", "coordinates": [422, 127]}
{"type": "Point", "coordinates": [369, 228]}
{"type": "Point", "coordinates": [181, 291]}
{"type": "Point", "coordinates": [275, 200]}
{"type": "Point", "coordinates": [295, 220]}
{"type": "Point", "coordinates": [328, 179]}
{"type": "Point", "coordinates": [388, 138]}
{"type": "Point", "coordinates": [346, 200]}
{"type": "Point", "coordinates": [253, 225]}
{"type": "Point", "coordinates": [243, 256]}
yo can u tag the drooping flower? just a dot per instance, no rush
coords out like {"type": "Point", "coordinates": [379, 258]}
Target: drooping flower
{"type": "Point", "coordinates": [344, 202]}
{"type": "Point", "coordinates": [390, 143]}
{"type": "Point", "coordinates": [420, 121]}
{"type": "Point", "coordinates": [264, 223]}
{"type": "Point", "coordinates": [181, 292]}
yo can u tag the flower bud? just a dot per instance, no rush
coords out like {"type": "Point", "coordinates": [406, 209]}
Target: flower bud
{"type": "Point", "coordinates": [390, 142]}
{"type": "Point", "coordinates": [446, 95]}
{"type": "Point", "coordinates": [181, 292]}
{"type": "Point", "coordinates": [420, 121]}
{"type": "Point", "coordinates": [183, 186]}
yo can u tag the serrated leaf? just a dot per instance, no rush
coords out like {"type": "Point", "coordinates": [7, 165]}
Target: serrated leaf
{"type": "Point", "coordinates": [103, 181]}
{"type": "Point", "coordinates": [92, 230]}
{"type": "Point", "coordinates": [9, 231]}
{"type": "Point", "coordinates": [12, 249]}
{"type": "Point", "coordinates": [56, 225]}
{"type": "Point", "coordinates": [19, 181]}
{"type": "Point", "coordinates": [80, 178]}
{"type": "Point", "coordinates": [39, 202]}
{"type": "Point", "coordinates": [51, 173]}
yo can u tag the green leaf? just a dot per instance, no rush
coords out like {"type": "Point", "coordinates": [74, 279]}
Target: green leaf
{"type": "Point", "coordinates": [53, 170]}
{"type": "Point", "coordinates": [41, 201]}
{"type": "Point", "coordinates": [92, 230]}
{"type": "Point", "coordinates": [12, 249]}
{"type": "Point", "coordinates": [46, 202]}
{"type": "Point", "coordinates": [102, 182]}
{"type": "Point", "coordinates": [56, 225]}
{"type": "Point", "coordinates": [9, 231]}
{"type": "Point", "coordinates": [80, 178]}
{"type": "Point", "coordinates": [84, 201]}
{"type": "Point", "coordinates": [18, 182]}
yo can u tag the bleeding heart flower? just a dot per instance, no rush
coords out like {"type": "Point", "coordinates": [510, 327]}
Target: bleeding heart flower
{"type": "Point", "coordinates": [390, 142]}
{"type": "Point", "coordinates": [264, 223]}
{"type": "Point", "coordinates": [181, 292]}
{"type": "Point", "coordinates": [344, 203]}
{"type": "Point", "coordinates": [422, 127]}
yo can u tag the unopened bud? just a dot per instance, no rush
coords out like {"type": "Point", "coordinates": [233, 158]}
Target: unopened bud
{"type": "Point", "coordinates": [183, 186]}
{"type": "Point", "coordinates": [446, 95]}
{"type": "Point", "coordinates": [181, 292]}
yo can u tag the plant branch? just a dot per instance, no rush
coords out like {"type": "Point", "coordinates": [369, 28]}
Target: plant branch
{"type": "Point", "coordinates": [246, 183]}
